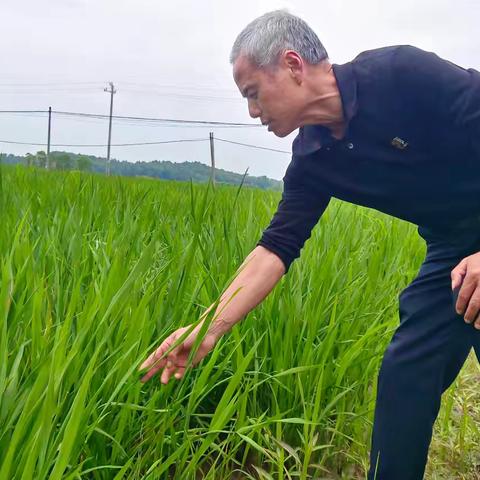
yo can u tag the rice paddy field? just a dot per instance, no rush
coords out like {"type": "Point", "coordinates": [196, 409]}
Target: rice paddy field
{"type": "Point", "coordinates": [96, 271]}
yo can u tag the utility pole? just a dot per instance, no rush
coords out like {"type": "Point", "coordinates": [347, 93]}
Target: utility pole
{"type": "Point", "coordinates": [212, 156]}
{"type": "Point", "coordinates": [47, 160]}
{"type": "Point", "coordinates": [111, 91]}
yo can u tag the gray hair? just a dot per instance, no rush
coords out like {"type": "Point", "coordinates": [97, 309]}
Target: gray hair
{"type": "Point", "coordinates": [268, 36]}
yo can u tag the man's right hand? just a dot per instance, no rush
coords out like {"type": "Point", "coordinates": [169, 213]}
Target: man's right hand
{"type": "Point", "coordinates": [175, 362]}
{"type": "Point", "coordinates": [259, 273]}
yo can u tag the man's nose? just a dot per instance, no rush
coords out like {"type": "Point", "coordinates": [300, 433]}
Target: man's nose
{"type": "Point", "coordinates": [253, 109]}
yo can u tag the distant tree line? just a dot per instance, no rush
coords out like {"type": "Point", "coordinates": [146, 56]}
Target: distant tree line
{"type": "Point", "coordinates": [57, 160]}
{"type": "Point", "coordinates": [185, 171]}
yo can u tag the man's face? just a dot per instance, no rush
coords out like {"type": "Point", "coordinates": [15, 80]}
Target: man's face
{"type": "Point", "coordinates": [272, 93]}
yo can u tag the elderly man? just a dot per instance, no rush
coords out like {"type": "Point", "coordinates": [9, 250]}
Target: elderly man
{"type": "Point", "coordinates": [396, 129]}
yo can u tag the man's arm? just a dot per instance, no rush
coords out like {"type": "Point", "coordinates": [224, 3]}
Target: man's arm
{"type": "Point", "coordinates": [297, 213]}
{"type": "Point", "coordinates": [257, 276]}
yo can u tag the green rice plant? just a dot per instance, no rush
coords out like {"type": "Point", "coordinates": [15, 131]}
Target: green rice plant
{"type": "Point", "coordinates": [95, 271]}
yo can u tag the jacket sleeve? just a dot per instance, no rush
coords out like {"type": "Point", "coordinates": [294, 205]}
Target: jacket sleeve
{"type": "Point", "coordinates": [444, 91]}
{"type": "Point", "coordinates": [297, 213]}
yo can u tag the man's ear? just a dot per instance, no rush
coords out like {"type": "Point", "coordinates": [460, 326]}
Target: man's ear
{"type": "Point", "coordinates": [294, 62]}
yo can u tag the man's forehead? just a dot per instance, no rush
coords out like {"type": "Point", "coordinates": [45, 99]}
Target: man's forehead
{"type": "Point", "coordinates": [243, 70]}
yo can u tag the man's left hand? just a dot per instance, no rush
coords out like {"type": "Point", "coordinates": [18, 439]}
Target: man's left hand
{"type": "Point", "coordinates": [466, 275]}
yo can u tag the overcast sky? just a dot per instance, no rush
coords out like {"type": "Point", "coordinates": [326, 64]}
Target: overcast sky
{"type": "Point", "coordinates": [169, 59]}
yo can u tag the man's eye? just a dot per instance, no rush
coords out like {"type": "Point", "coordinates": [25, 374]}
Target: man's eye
{"type": "Point", "coordinates": [253, 95]}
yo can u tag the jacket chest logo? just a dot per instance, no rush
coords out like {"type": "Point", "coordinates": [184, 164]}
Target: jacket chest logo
{"type": "Point", "coordinates": [399, 143]}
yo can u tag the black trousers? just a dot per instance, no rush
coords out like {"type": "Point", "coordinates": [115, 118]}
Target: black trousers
{"type": "Point", "coordinates": [425, 355]}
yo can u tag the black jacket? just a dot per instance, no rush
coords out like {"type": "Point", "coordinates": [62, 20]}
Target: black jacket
{"type": "Point", "coordinates": [411, 148]}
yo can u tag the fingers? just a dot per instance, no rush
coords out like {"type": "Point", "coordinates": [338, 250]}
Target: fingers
{"type": "Point", "coordinates": [155, 362]}
{"type": "Point", "coordinates": [471, 315]}
{"type": "Point", "coordinates": [464, 296]}
{"type": "Point", "coordinates": [180, 373]}
{"type": "Point", "coordinates": [466, 281]}
{"type": "Point", "coordinates": [156, 367]}
{"type": "Point", "coordinates": [175, 362]}
{"type": "Point", "coordinates": [168, 371]}
{"type": "Point", "coordinates": [458, 274]}
{"type": "Point", "coordinates": [154, 358]}
{"type": "Point", "coordinates": [171, 364]}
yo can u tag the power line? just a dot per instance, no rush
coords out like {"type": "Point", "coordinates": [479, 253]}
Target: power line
{"type": "Point", "coordinates": [44, 89]}
{"type": "Point", "coordinates": [134, 144]}
{"type": "Point", "coordinates": [183, 86]}
{"type": "Point", "coordinates": [133, 123]}
{"type": "Point", "coordinates": [251, 146]}
{"type": "Point", "coordinates": [144, 119]}
{"type": "Point", "coordinates": [95, 120]}
{"type": "Point", "coordinates": [153, 119]}
{"type": "Point", "coordinates": [199, 87]}
{"type": "Point", "coordinates": [137, 119]}
{"type": "Point", "coordinates": [48, 84]}
{"type": "Point", "coordinates": [181, 96]}
{"type": "Point", "coordinates": [104, 145]}
{"type": "Point", "coordinates": [23, 111]}
{"type": "Point", "coordinates": [203, 92]}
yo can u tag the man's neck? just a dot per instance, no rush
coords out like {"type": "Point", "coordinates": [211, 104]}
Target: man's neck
{"type": "Point", "coordinates": [324, 103]}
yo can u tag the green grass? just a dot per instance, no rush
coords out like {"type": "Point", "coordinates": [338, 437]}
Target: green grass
{"type": "Point", "coordinates": [96, 271]}
{"type": "Point", "coordinates": [454, 453]}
